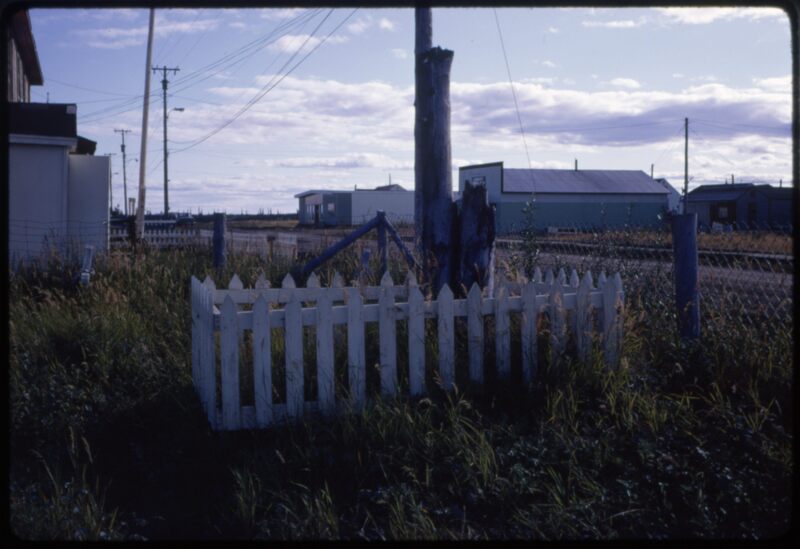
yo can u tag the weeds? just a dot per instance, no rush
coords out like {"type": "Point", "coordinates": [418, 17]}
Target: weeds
{"type": "Point", "coordinates": [682, 440]}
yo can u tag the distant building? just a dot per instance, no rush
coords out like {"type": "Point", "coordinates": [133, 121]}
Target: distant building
{"type": "Point", "coordinates": [741, 204]}
{"type": "Point", "coordinates": [327, 208]}
{"type": "Point", "coordinates": [673, 198]}
{"type": "Point", "coordinates": [569, 198]}
{"type": "Point", "coordinates": [57, 190]}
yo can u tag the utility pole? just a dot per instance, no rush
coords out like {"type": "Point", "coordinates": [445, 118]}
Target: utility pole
{"type": "Point", "coordinates": [110, 182]}
{"type": "Point", "coordinates": [124, 173]}
{"type": "Point", "coordinates": [145, 110]}
{"type": "Point", "coordinates": [732, 180]}
{"type": "Point", "coordinates": [685, 162]}
{"type": "Point", "coordinates": [164, 83]}
{"type": "Point", "coordinates": [651, 170]}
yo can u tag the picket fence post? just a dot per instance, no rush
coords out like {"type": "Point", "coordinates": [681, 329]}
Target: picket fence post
{"type": "Point", "coordinates": [416, 337]}
{"type": "Point", "coordinates": [293, 334]}
{"type": "Point", "coordinates": [447, 346]}
{"type": "Point", "coordinates": [387, 334]}
{"type": "Point", "coordinates": [475, 334]}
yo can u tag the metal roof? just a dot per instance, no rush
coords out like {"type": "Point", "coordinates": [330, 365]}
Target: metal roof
{"type": "Point", "coordinates": [580, 181]}
{"type": "Point", "coordinates": [326, 191]}
{"type": "Point", "coordinates": [719, 193]}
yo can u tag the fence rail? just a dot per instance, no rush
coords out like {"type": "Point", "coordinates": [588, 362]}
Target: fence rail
{"type": "Point", "coordinates": [569, 303]}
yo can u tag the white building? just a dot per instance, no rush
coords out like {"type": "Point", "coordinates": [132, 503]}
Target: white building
{"type": "Point", "coordinates": [338, 208]}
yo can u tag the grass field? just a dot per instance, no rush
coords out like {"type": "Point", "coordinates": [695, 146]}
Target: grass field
{"type": "Point", "coordinates": [108, 440]}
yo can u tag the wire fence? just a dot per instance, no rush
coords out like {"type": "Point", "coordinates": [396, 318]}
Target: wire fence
{"type": "Point", "coordinates": [744, 271]}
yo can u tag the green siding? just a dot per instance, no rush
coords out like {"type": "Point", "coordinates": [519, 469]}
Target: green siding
{"type": "Point", "coordinates": [510, 217]}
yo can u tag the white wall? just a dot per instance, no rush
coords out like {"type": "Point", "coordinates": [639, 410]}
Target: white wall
{"type": "Point", "coordinates": [492, 175]}
{"type": "Point", "coordinates": [37, 182]}
{"type": "Point", "coordinates": [396, 204]}
{"type": "Point", "coordinates": [89, 178]}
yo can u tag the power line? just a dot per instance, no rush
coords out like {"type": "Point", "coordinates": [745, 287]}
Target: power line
{"type": "Point", "coordinates": [270, 85]}
{"type": "Point", "coordinates": [514, 95]}
{"type": "Point", "coordinates": [735, 125]}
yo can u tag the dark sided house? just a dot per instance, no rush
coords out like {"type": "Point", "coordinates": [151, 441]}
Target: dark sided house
{"type": "Point", "coordinates": [744, 205]}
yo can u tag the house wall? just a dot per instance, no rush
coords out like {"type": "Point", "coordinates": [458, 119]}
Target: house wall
{"type": "Point", "coordinates": [398, 205]}
{"type": "Point", "coordinates": [779, 211]}
{"type": "Point", "coordinates": [38, 175]}
{"type": "Point", "coordinates": [88, 203]}
{"type": "Point", "coordinates": [493, 175]}
{"type": "Point", "coordinates": [18, 86]}
{"type": "Point", "coordinates": [582, 211]}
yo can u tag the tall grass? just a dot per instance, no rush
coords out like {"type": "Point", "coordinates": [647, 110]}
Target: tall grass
{"type": "Point", "coordinates": [108, 440]}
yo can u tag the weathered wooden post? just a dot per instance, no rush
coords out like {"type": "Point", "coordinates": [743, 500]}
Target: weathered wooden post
{"type": "Point", "coordinates": [684, 247]}
{"type": "Point", "coordinates": [383, 249]}
{"type": "Point", "coordinates": [433, 197]}
{"type": "Point", "coordinates": [219, 240]}
{"type": "Point", "coordinates": [476, 238]}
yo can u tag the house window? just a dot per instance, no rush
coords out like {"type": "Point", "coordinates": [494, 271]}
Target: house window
{"type": "Point", "coordinates": [331, 207]}
{"type": "Point", "coordinates": [479, 180]}
{"type": "Point", "coordinates": [722, 212]}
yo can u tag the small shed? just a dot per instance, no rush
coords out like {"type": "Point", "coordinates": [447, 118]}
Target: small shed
{"type": "Point", "coordinates": [330, 208]}
{"type": "Point", "coordinates": [744, 205]}
{"type": "Point", "coordinates": [569, 199]}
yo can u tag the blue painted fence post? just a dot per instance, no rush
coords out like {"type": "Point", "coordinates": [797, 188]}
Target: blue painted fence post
{"type": "Point", "coordinates": [684, 247]}
{"type": "Point", "coordinates": [219, 240]}
{"type": "Point", "coordinates": [383, 249]}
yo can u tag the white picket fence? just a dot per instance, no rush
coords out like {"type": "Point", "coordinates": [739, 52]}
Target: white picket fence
{"type": "Point", "coordinates": [162, 238]}
{"type": "Point", "coordinates": [221, 310]}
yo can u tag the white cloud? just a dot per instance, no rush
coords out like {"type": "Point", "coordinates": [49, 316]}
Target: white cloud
{"type": "Point", "coordinates": [703, 16]}
{"type": "Point", "coordinates": [290, 43]}
{"type": "Point", "coordinates": [279, 14]}
{"type": "Point", "coordinates": [385, 24]}
{"type": "Point", "coordinates": [549, 64]}
{"type": "Point", "coordinates": [399, 53]}
{"type": "Point", "coordinates": [359, 25]}
{"type": "Point", "coordinates": [628, 83]}
{"type": "Point", "coordinates": [623, 24]}
{"type": "Point", "coordinates": [677, 75]}
{"type": "Point", "coordinates": [552, 30]}
{"type": "Point", "coordinates": [121, 37]}
{"type": "Point", "coordinates": [776, 84]}
{"type": "Point", "coordinates": [237, 25]}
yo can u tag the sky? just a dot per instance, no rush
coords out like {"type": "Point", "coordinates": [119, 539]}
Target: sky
{"type": "Point", "coordinates": [279, 101]}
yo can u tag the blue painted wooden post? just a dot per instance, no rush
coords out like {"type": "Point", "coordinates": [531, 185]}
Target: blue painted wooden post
{"type": "Point", "coordinates": [684, 247]}
{"type": "Point", "coordinates": [383, 249]}
{"type": "Point", "coordinates": [219, 240]}
{"type": "Point", "coordinates": [365, 254]}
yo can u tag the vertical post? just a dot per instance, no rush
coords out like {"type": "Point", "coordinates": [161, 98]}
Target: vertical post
{"type": "Point", "coordinates": [383, 249]}
{"type": "Point", "coordinates": [651, 170]}
{"type": "Point", "coordinates": [145, 110]}
{"type": "Point", "coordinates": [433, 198]}
{"type": "Point", "coordinates": [476, 239]}
{"type": "Point", "coordinates": [684, 246]}
{"type": "Point", "coordinates": [219, 240]}
{"type": "Point", "coordinates": [685, 162]}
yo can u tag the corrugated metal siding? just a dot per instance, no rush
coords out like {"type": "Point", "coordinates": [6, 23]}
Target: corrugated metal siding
{"type": "Point", "coordinates": [580, 181]}
{"type": "Point", "coordinates": [510, 217]}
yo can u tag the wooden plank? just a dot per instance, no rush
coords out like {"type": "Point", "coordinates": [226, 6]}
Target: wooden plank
{"type": "Point", "coordinates": [356, 361]}
{"type": "Point", "coordinates": [446, 333]}
{"type": "Point", "coordinates": [612, 308]}
{"type": "Point", "coordinates": [325, 377]}
{"type": "Point", "coordinates": [530, 315]}
{"type": "Point", "coordinates": [293, 334]}
{"type": "Point", "coordinates": [262, 363]}
{"type": "Point", "coordinates": [502, 333]}
{"type": "Point", "coordinates": [557, 323]}
{"type": "Point", "coordinates": [475, 334]}
{"type": "Point", "coordinates": [229, 341]}
{"type": "Point", "coordinates": [208, 366]}
{"type": "Point", "coordinates": [416, 340]}
{"type": "Point", "coordinates": [387, 332]}
{"type": "Point", "coordinates": [195, 315]}
{"type": "Point", "coordinates": [583, 318]}
{"type": "Point", "coordinates": [235, 283]}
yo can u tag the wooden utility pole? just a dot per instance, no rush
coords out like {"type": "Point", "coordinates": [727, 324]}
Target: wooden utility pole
{"type": "Point", "coordinates": [145, 112]}
{"type": "Point", "coordinates": [164, 83]}
{"type": "Point", "coordinates": [685, 162]}
{"type": "Point", "coordinates": [124, 174]}
{"type": "Point", "coordinates": [433, 197]}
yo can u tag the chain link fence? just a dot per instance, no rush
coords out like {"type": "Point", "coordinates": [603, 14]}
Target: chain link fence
{"type": "Point", "coordinates": [744, 272]}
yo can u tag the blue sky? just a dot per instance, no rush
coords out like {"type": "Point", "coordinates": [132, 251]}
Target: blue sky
{"type": "Point", "coordinates": [278, 101]}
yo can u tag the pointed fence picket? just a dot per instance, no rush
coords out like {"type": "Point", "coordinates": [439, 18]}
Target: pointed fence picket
{"type": "Point", "coordinates": [569, 303]}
